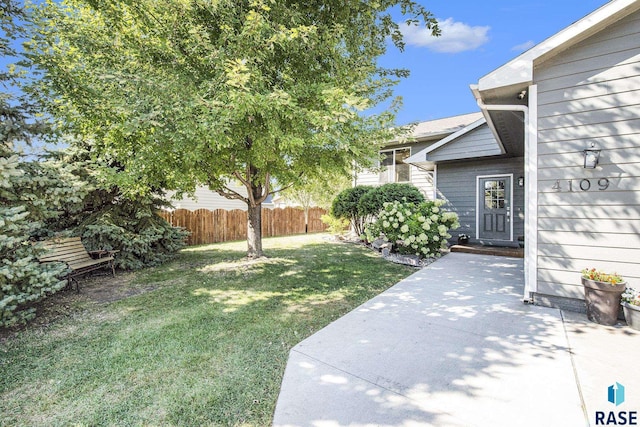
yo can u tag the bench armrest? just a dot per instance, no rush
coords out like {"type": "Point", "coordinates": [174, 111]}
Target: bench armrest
{"type": "Point", "coordinates": [101, 253]}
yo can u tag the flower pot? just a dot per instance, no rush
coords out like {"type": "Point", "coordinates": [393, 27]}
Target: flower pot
{"type": "Point", "coordinates": [632, 315]}
{"type": "Point", "coordinates": [603, 301]}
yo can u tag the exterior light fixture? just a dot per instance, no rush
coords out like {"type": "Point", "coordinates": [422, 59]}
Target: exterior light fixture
{"type": "Point", "coordinates": [521, 181]}
{"type": "Point", "coordinates": [591, 157]}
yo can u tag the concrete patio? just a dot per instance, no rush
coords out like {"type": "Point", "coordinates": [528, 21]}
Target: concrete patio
{"type": "Point", "coordinates": [453, 345]}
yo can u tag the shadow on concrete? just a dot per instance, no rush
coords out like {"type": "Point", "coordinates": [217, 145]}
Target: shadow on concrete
{"type": "Point", "coordinates": [451, 345]}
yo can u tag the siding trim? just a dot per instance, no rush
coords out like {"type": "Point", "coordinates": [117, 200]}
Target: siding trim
{"type": "Point", "coordinates": [435, 182]}
{"type": "Point", "coordinates": [531, 197]}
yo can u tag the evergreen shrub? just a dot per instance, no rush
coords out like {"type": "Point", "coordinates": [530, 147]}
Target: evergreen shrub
{"type": "Point", "coordinates": [143, 238]}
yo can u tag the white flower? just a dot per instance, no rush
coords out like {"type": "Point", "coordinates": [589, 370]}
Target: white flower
{"type": "Point", "coordinates": [422, 237]}
{"type": "Point", "coordinates": [421, 218]}
{"type": "Point", "coordinates": [436, 238]}
{"type": "Point", "coordinates": [404, 228]}
{"type": "Point", "coordinates": [426, 226]}
{"type": "Point", "coordinates": [395, 225]}
{"type": "Point", "coordinates": [434, 218]}
{"type": "Point", "coordinates": [386, 224]}
{"type": "Point", "coordinates": [446, 216]}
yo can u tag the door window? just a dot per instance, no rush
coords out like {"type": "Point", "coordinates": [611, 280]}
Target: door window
{"type": "Point", "coordinates": [494, 194]}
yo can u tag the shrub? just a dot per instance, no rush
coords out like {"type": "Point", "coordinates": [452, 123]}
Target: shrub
{"type": "Point", "coordinates": [345, 206]}
{"type": "Point", "coordinates": [23, 280]}
{"type": "Point", "coordinates": [420, 229]}
{"type": "Point", "coordinates": [30, 194]}
{"type": "Point", "coordinates": [132, 227]}
{"type": "Point", "coordinates": [372, 202]}
{"type": "Point", "coordinates": [335, 225]}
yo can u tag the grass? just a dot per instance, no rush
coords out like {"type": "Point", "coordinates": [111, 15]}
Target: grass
{"type": "Point", "coordinates": [207, 346]}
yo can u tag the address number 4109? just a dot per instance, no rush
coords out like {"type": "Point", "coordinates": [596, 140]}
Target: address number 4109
{"type": "Point", "coordinates": [582, 185]}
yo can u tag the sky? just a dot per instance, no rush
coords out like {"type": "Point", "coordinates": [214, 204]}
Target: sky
{"type": "Point", "coordinates": [477, 37]}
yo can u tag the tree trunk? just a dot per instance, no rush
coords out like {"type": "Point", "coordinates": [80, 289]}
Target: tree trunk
{"type": "Point", "coordinates": [254, 231]}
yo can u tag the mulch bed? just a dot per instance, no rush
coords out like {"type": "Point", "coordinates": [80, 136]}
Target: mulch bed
{"type": "Point", "coordinates": [98, 288]}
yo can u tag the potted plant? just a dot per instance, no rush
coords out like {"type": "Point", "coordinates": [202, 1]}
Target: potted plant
{"type": "Point", "coordinates": [631, 306]}
{"type": "Point", "coordinates": [602, 295]}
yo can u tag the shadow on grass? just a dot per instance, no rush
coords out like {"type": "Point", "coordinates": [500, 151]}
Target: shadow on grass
{"type": "Point", "coordinates": [207, 346]}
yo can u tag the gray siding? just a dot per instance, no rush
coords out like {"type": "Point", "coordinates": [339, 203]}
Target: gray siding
{"type": "Point", "coordinates": [589, 94]}
{"type": "Point", "coordinates": [457, 185]}
{"type": "Point", "coordinates": [479, 142]}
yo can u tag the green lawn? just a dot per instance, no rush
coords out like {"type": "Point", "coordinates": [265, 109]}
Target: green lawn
{"type": "Point", "coordinates": [207, 346]}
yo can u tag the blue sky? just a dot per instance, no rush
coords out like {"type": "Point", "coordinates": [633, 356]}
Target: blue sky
{"type": "Point", "coordinates": [478, 37]}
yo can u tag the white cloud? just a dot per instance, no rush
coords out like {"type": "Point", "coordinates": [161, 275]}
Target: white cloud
{"type": "Point", "coordinates": [456, 36]}
{"type": "Point", "coordinates": [524, 46]}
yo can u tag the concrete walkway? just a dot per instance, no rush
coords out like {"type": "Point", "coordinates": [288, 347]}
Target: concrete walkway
{"type": "Point", "coordinates": [453, 345]}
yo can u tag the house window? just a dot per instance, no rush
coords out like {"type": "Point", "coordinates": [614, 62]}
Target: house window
{"type": "Point", "coordinates": [394, 167]}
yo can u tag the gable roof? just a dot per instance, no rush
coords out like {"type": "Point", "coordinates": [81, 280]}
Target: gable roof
{"type": "Point", "coordinates": [520, 69]}
{"type": "Point", "coordinates": [440, 127]}
{"type": "Point", "coordinates": [455, 135]}
{"type": "Point", "coordinates": [428, 156]}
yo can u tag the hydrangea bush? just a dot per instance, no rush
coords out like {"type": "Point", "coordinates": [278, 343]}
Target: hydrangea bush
{"type": "Point", "coordinates": [421, 229]}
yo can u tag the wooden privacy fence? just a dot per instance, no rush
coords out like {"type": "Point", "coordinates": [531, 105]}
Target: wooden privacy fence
{"type": "Point", "coordinates": [223, 226]}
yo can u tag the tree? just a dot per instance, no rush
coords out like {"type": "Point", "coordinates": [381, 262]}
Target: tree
{"type": "Point", "coordinates": [30, 192]}
{"type": "Point", "coordinates": [321, 193]}
{"type": "Point", "coordinates": [107, 220]}
{"type": "Point", "coordinates": [208, 92]}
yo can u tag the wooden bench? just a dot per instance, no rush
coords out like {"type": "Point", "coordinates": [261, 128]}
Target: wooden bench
{"type": "Point", "coordinates": [72, 252]}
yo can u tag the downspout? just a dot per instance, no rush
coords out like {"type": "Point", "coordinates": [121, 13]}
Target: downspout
{"type": "Point", "coordinates": [531, 180]}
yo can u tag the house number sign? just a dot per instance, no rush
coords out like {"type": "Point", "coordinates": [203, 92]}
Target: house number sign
{"type": "Point", "coordinates": [584, 184]}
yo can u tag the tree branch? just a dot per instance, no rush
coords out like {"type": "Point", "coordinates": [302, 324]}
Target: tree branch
{"type": "Point", "coordinates": [225, 191]}
{"type": "Point", "coordinates": [265, 192]}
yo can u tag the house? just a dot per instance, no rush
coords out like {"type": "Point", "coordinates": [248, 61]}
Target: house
{"type": "Point", "coordinates": [482, 181]}
{"type": "Point", "coordinates": [563, 168]}
{"type": "Point", "coordinates": [394, 166]}
{"type": "Point", "coordinates": [210, 200]}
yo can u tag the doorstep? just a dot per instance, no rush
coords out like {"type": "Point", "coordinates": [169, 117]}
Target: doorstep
{"type": "Point", "coordinates": [489, 250]}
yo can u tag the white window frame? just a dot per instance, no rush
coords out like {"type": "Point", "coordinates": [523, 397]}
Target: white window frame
{"type": "Point", "coordinates": [391, 170]}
